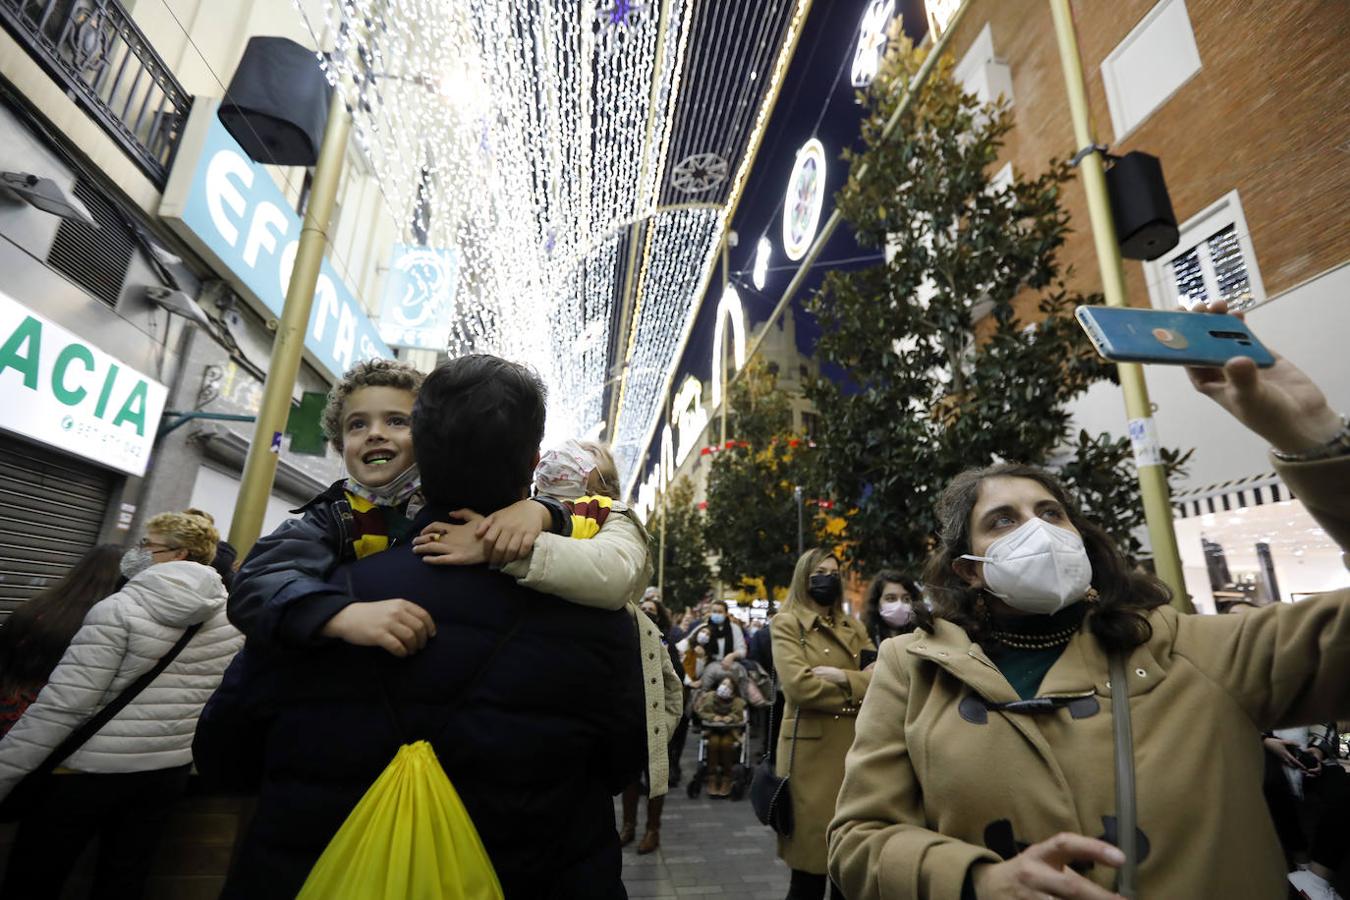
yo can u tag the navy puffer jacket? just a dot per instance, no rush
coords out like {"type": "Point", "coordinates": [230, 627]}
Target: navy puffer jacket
{"type": "Point", "coordinates": [549, 731]}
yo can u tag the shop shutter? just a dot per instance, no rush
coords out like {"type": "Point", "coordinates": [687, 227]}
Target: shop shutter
{"type": "Point", "coordinates": [51, 509]}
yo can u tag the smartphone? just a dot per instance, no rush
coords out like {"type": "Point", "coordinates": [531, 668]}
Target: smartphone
{"type": "Point", "coordinates": [1126, 334]}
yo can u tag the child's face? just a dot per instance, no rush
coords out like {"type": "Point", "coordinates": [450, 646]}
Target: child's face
{"type": "Point", "coordinates": [377, 434]}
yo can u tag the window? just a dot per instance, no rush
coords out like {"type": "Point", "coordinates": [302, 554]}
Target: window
{"type": "Point", "coordinates": [1212, 261]}
{"type": "Point", "coordinates": [981, 73]}
{"type": "Point", "coordinates": [1156, 58]}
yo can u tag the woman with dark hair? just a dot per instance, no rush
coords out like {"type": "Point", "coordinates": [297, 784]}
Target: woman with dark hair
{"type": "Point", "coordinates": [888, 610]}
{"type": "Point", "coordinates": [983, 765]}
{"type": "Point", "coordinates": [817, 648]}
{"type": "Point", "coordinates": [38, 633]}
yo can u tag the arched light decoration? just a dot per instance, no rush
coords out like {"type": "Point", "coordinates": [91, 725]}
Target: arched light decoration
{"type": "Point", "coordinates": [729, 307]}
{"type": "Point", "coordinates": [871, 42]}
{"type": "Point", "coordinates": [762, 254]}
{"type": "Point", "coordinates": [805, 194]}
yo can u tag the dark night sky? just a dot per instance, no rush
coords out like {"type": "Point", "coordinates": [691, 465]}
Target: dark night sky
{"type": "Point", "coordinates": [817, 100]}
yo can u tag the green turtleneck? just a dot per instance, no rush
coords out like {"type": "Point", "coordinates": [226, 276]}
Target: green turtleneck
{"type": "Point", "coordinates": [1025, 669]}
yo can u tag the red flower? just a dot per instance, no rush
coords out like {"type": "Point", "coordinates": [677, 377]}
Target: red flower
{"type": "Point", "coordinates": [703, 504]}
{"type": "Point", "coordinates": [705, 451]}
{"type": "Point", "coordinates": [793, 442]}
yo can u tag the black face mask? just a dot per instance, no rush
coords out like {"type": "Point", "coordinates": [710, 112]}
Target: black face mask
{"type": "Point", "coordinates": [825, 588]}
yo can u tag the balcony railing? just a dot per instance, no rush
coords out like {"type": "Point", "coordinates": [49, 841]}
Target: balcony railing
{"type": "Point", "coordinates": [101, 58]}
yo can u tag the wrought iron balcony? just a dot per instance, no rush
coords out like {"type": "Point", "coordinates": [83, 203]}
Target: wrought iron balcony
{"type": "Point", "coordinates": [101, 58]}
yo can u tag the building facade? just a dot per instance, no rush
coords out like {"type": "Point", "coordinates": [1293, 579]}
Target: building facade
{"type": "Point", "coordinates": [1239, 102]}
{"type": "Point", "coordinates": [107, 396]}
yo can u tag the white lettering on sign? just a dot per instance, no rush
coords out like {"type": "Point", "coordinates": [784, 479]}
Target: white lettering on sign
{"type": "Point", "coordinates": [690, 417]}
{"type": "Point", "coordinates": [63, 391]}
{"type": "Point", "coordinates": [222, 192]}
{"type": "Point", "coordinates": [344, 345]}
{"type": "Point", "coordinates": [268, 224]}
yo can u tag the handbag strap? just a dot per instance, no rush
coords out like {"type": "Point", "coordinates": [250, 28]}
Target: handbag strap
{"type": "Point", "coordinates": [94, 724]}
{"type": "Point", "coordinates": [1126, 812]}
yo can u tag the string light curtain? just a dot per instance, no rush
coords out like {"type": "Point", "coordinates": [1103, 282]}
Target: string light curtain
{"type": "Point", "coordinates": [530, 137]}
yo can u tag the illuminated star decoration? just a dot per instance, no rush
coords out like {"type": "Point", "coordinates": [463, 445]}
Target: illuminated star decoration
{"type": "Point", "coordinates": [871, 42]}
{"type": "Point", "coordinates": [615, 21]}
{"type": "Point", "coordinates": [698, 173]}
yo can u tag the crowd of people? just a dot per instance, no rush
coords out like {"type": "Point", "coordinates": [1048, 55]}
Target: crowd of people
{"type": "Point", "coordinates": [970, 734]}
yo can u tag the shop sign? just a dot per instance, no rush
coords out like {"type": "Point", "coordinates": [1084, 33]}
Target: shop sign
{"type": "Point", "coordinates": [419, 297]}
{"type": "Point", "coordinates": [232, 212]}
{"type": "Point", "coordinates": [63, 391]}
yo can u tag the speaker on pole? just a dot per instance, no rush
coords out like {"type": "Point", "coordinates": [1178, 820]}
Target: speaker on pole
{"type": "Point", "coordinates": [277, 104]}
{"type": "Point", "coordinates": [1146, 227]}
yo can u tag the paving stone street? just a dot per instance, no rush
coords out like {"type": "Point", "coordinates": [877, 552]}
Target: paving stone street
{"type": "Point", "coordinates": [708, 848]}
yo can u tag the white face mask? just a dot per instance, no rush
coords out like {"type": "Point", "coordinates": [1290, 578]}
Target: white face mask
{"type": "Point", "coordinates": [724, 691]}
{"type": "Point", "coordinates": [1039, 568]}
{"type": "Point", "coordinates": [135, 561]}
{"type": "Point", "coordinates": [704, 637]}
{"type": "Point", "coordinates": [896, 613]}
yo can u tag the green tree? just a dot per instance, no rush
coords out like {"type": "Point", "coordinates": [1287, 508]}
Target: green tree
{"type": "Point", "coordinates": [752, 511]}
{"type": "Point", "coordinates": [687, 573]}
{"type": "Point", "coordinates": [943, 370]}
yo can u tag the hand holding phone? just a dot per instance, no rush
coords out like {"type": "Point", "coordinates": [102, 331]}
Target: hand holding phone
{"type": "Point", "coordinates": [1281, 404]}
{"type": "Point", "coordinates": [1126, 334]}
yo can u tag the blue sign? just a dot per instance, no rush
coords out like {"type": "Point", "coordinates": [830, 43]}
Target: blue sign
{"type": "Point", "coordinates": [232, 211]}
{"type": "Point", "coordinates": [419, 297]}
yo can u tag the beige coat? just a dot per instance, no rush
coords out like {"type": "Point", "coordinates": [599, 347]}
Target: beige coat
{"type": "Point", "coordinates": [610, 571]}
{"type": "Point", "coordinates": [928, 786]}
{"type": "Point", "coordinates": [822, 714]}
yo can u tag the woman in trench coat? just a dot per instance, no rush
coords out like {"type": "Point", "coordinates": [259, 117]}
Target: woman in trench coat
{"type": "Point", "coordinates": [817, 649]}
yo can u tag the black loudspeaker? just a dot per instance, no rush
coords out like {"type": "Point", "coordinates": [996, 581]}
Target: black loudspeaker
{"type": "Point", "coordinates": [1146, 227]}
{"type": "Point", "coordinates": [277, 103]}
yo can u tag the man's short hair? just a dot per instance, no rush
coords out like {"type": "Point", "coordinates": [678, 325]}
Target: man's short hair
{"type": "Point", "coordinates": [477, 425]}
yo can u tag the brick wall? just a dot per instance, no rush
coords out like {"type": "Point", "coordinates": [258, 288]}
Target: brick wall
{"type": "Point", "coordinates": [1268, 114]}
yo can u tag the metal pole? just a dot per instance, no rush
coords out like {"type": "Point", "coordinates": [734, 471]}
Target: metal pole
{"type": "Point", "coordinates": [661, 559]}
{"type": "Point", "coordinates": [261, 467]}
{"type": "Point", "coordinates": [801, 529]}
{"type": "Point", "coordinates": [1152, 475]}
{"type": "Point", "coordinates": [722, 344]}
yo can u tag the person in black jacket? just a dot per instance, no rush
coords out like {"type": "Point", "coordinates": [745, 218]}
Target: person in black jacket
{"type": "Point", "coordinates": [533, 706]}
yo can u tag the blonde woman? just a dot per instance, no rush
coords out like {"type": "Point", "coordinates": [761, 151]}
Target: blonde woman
{"type": "Point", "coordinates": [817, 650]}
{"type": "Point", "coordinates": [121, 783]}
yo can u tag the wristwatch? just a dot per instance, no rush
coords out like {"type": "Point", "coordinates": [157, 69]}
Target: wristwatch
{"type": "Point", "coordinates": [1339, 445]}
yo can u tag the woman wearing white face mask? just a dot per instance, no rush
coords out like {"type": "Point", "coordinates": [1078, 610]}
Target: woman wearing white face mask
{"type": "Point", "coordinates": [120, 783]}
{"type": "Point", "coordinates": [984, 760]}
{"type": "Point", "coordinates": [888, 610]}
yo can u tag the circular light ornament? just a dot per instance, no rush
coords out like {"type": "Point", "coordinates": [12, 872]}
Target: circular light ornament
{"type": "Point", "coordinates": [871, 42]}
{"type": "Point", "coordinates": [760, 274]}
{"type": "Point", "coordinates": [805, 194]}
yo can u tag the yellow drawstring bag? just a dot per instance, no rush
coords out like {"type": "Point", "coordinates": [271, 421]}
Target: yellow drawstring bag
{"type": "Point", "coordinates": [410, 838]}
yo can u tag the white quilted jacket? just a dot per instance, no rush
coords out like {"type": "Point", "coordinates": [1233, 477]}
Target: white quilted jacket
{"type": "Point", "coordinates": [122, 637]}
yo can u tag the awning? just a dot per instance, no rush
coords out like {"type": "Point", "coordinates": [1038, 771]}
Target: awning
{"type": "Point", "coordinates": [1255, 490]}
